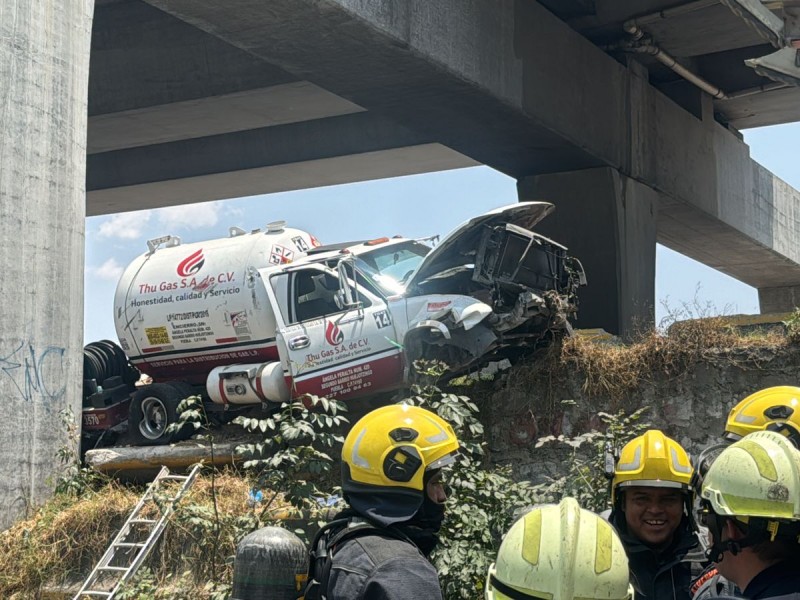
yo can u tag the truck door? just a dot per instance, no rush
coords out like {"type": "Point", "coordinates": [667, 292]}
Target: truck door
{"type": "Point", "coordinates": [331, 351]}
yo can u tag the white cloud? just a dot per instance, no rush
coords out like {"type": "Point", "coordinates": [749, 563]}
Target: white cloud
{"type": "Point", "coordinates": [110, 270]}
{"type": "Point", "coordinates": [125, 226]}
{"type": "Point", "coordinates": [190, 216]}
{"type": "Point", "coordinates": [233, 211]}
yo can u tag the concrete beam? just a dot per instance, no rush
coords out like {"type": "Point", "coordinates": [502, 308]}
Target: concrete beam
{"type": "Point", "coordinates": [343, 149]}
{"type": "Point", "coordinates": [238, 111]}
{"type": "Point", "coordinates": [779, 299]}
{"type": "Point", "coordinates": [480, 77]}
{"type": "Point", "coordinates": [394, 162]}
{"type": "Point", "coordinates": [395, 59]}
{"type": "Point", "coordinates": [142, 57]}
{"type": "Point", "coordinates": [749, 224]}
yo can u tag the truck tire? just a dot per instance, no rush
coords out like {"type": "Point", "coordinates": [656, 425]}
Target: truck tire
{"type": "Point", "coordinates": [153, 409]}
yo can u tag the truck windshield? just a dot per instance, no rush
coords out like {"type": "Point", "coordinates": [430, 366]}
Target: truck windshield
{"type": "Point", "coordinates": [389, 267]}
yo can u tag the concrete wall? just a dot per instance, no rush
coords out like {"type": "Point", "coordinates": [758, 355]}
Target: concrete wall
{"type": "Point", "coordinates": [44, 65]}
{"type": "Point", "coordinates": [779, 299]}
{"type": "Point", "coordinates": [690, 407]}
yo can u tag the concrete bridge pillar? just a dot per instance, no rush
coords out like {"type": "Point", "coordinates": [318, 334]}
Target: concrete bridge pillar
{"type": "Point", "coordinates": [608, 221]}
{"type": "Point", "coordinates": [44, 73]}
{"type": "Point", "coordinates": [779, 299]}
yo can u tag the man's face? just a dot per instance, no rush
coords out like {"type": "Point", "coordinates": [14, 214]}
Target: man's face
{"type": "Point", "coordinates": [653, 514]}
{"type": "Point", "coordinates": [435, 489]}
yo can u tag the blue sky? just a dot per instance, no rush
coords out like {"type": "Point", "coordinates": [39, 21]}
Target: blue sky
{"type": "Point", "coordinates": [414, 206]}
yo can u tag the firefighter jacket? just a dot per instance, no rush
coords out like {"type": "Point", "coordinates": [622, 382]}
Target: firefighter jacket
{"type": "Point", "coordinates": [378, 566]}
{"type": "Point", "coordinates": [781, 580]}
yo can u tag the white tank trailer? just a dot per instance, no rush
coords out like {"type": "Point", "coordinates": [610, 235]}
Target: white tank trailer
{"type": "Point", "coordinates": [183, 314]}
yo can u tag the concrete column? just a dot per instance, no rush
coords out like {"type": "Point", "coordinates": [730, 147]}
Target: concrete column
{"type": "Point", "coordinates": [779, 299]}
{"type": "Point", "coordinates": [44, 73]}
{"type": "Point", "coordinates": [608, 221]}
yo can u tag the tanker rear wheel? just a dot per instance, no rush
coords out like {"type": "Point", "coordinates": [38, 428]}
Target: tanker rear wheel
{"type": "Point", "coordinates": [153, 409]}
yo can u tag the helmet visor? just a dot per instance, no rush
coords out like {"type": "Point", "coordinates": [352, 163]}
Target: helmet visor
{"type": "Point", "coordinates": [442, 462]}
{"type": "Point", "coordinates": [662, 483]}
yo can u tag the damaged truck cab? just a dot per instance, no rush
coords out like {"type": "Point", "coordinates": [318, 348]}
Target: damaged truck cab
{"type": "Point", "coordinates": [353, 318]}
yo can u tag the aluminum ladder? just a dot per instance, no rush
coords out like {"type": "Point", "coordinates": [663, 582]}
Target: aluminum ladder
{"type": "Point", "coordinates": [128, 541]}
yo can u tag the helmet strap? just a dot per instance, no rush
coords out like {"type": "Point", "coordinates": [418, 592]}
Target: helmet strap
{"type": "Point", "coordinates": [717, 551]}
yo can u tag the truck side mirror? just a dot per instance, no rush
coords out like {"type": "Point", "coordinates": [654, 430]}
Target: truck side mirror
{"type": "Point", "coordinates": [340, 300]}
{"type": "Point", "coordinates": [344, 296]}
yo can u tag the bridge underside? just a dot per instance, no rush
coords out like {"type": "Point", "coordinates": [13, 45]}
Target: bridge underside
{"type": "Point", "coordinates": [197, 100]}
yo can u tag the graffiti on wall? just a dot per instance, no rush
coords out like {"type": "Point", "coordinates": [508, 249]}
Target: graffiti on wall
{"type": "Point", "coordinates": [35, 374]}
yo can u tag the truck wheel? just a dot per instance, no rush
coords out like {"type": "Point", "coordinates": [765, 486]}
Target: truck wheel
{"type": "Point", "coordinates": [153, 409]}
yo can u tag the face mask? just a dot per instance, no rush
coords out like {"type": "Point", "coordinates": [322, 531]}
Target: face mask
{"type": "Point", "coordinates": [430, 515]}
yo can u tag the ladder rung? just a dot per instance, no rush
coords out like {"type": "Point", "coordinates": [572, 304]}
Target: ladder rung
{"type": "Point", "coordinates": [142, 521]}
{"type": "Point", "coordinates": [94, 593]}
{"type": "Point", "coordinates": [174, 477]}
{"type": "Point", "coordinates": [129, 545]}
{"type": "Point", "coordinates": [112, 568]}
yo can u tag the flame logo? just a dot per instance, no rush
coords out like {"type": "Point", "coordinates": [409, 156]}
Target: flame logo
{"type": "Point", "coordinates": [333, 335]}
{"type": "Point", "coordinates": [191, 264]}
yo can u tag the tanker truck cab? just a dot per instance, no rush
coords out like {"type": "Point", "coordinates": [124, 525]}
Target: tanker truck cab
{"type": "Point", "coordinates": [353, 318]}
{"type": "Point", "coordinates": [336, 334]}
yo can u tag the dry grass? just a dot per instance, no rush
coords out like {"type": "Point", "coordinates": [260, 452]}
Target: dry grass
{"type": "Point", "coordinates": [615, 371]}
{"type": "Point", "coordinates": [66, 537]}
{"type": "Point", "coordinates": [612, 373]}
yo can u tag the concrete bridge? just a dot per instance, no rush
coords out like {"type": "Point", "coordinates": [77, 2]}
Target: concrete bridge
{"type": "Point", "coordinates": [625, 113]}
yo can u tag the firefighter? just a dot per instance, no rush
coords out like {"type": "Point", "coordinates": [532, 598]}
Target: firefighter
{"type": "Point", "coordinates": [651, 497]}
{"type": "Point", "coordinates": [750, 502]}
{"type": "Point", "coordinates": [774, 408]}
{"type": "Point", "coordinates": [560, 552]}
{"type": "Point", "coordinates": [377, 549]}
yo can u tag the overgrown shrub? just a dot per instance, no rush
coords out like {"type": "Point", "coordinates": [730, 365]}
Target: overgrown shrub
{"type": "Point", "coordinates": [792, 325]}
{"type": "Point", "coordinates": [587, 474]}
{"type": "Point", "coordinates": [295, 457]}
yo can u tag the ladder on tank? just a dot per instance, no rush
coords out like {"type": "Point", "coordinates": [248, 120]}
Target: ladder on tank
{"type": "Point", "coordinates": [128, 550]}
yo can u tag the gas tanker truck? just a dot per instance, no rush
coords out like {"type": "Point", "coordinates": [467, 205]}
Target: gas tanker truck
{"type": "Point", "coordinates": [263, 316]}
